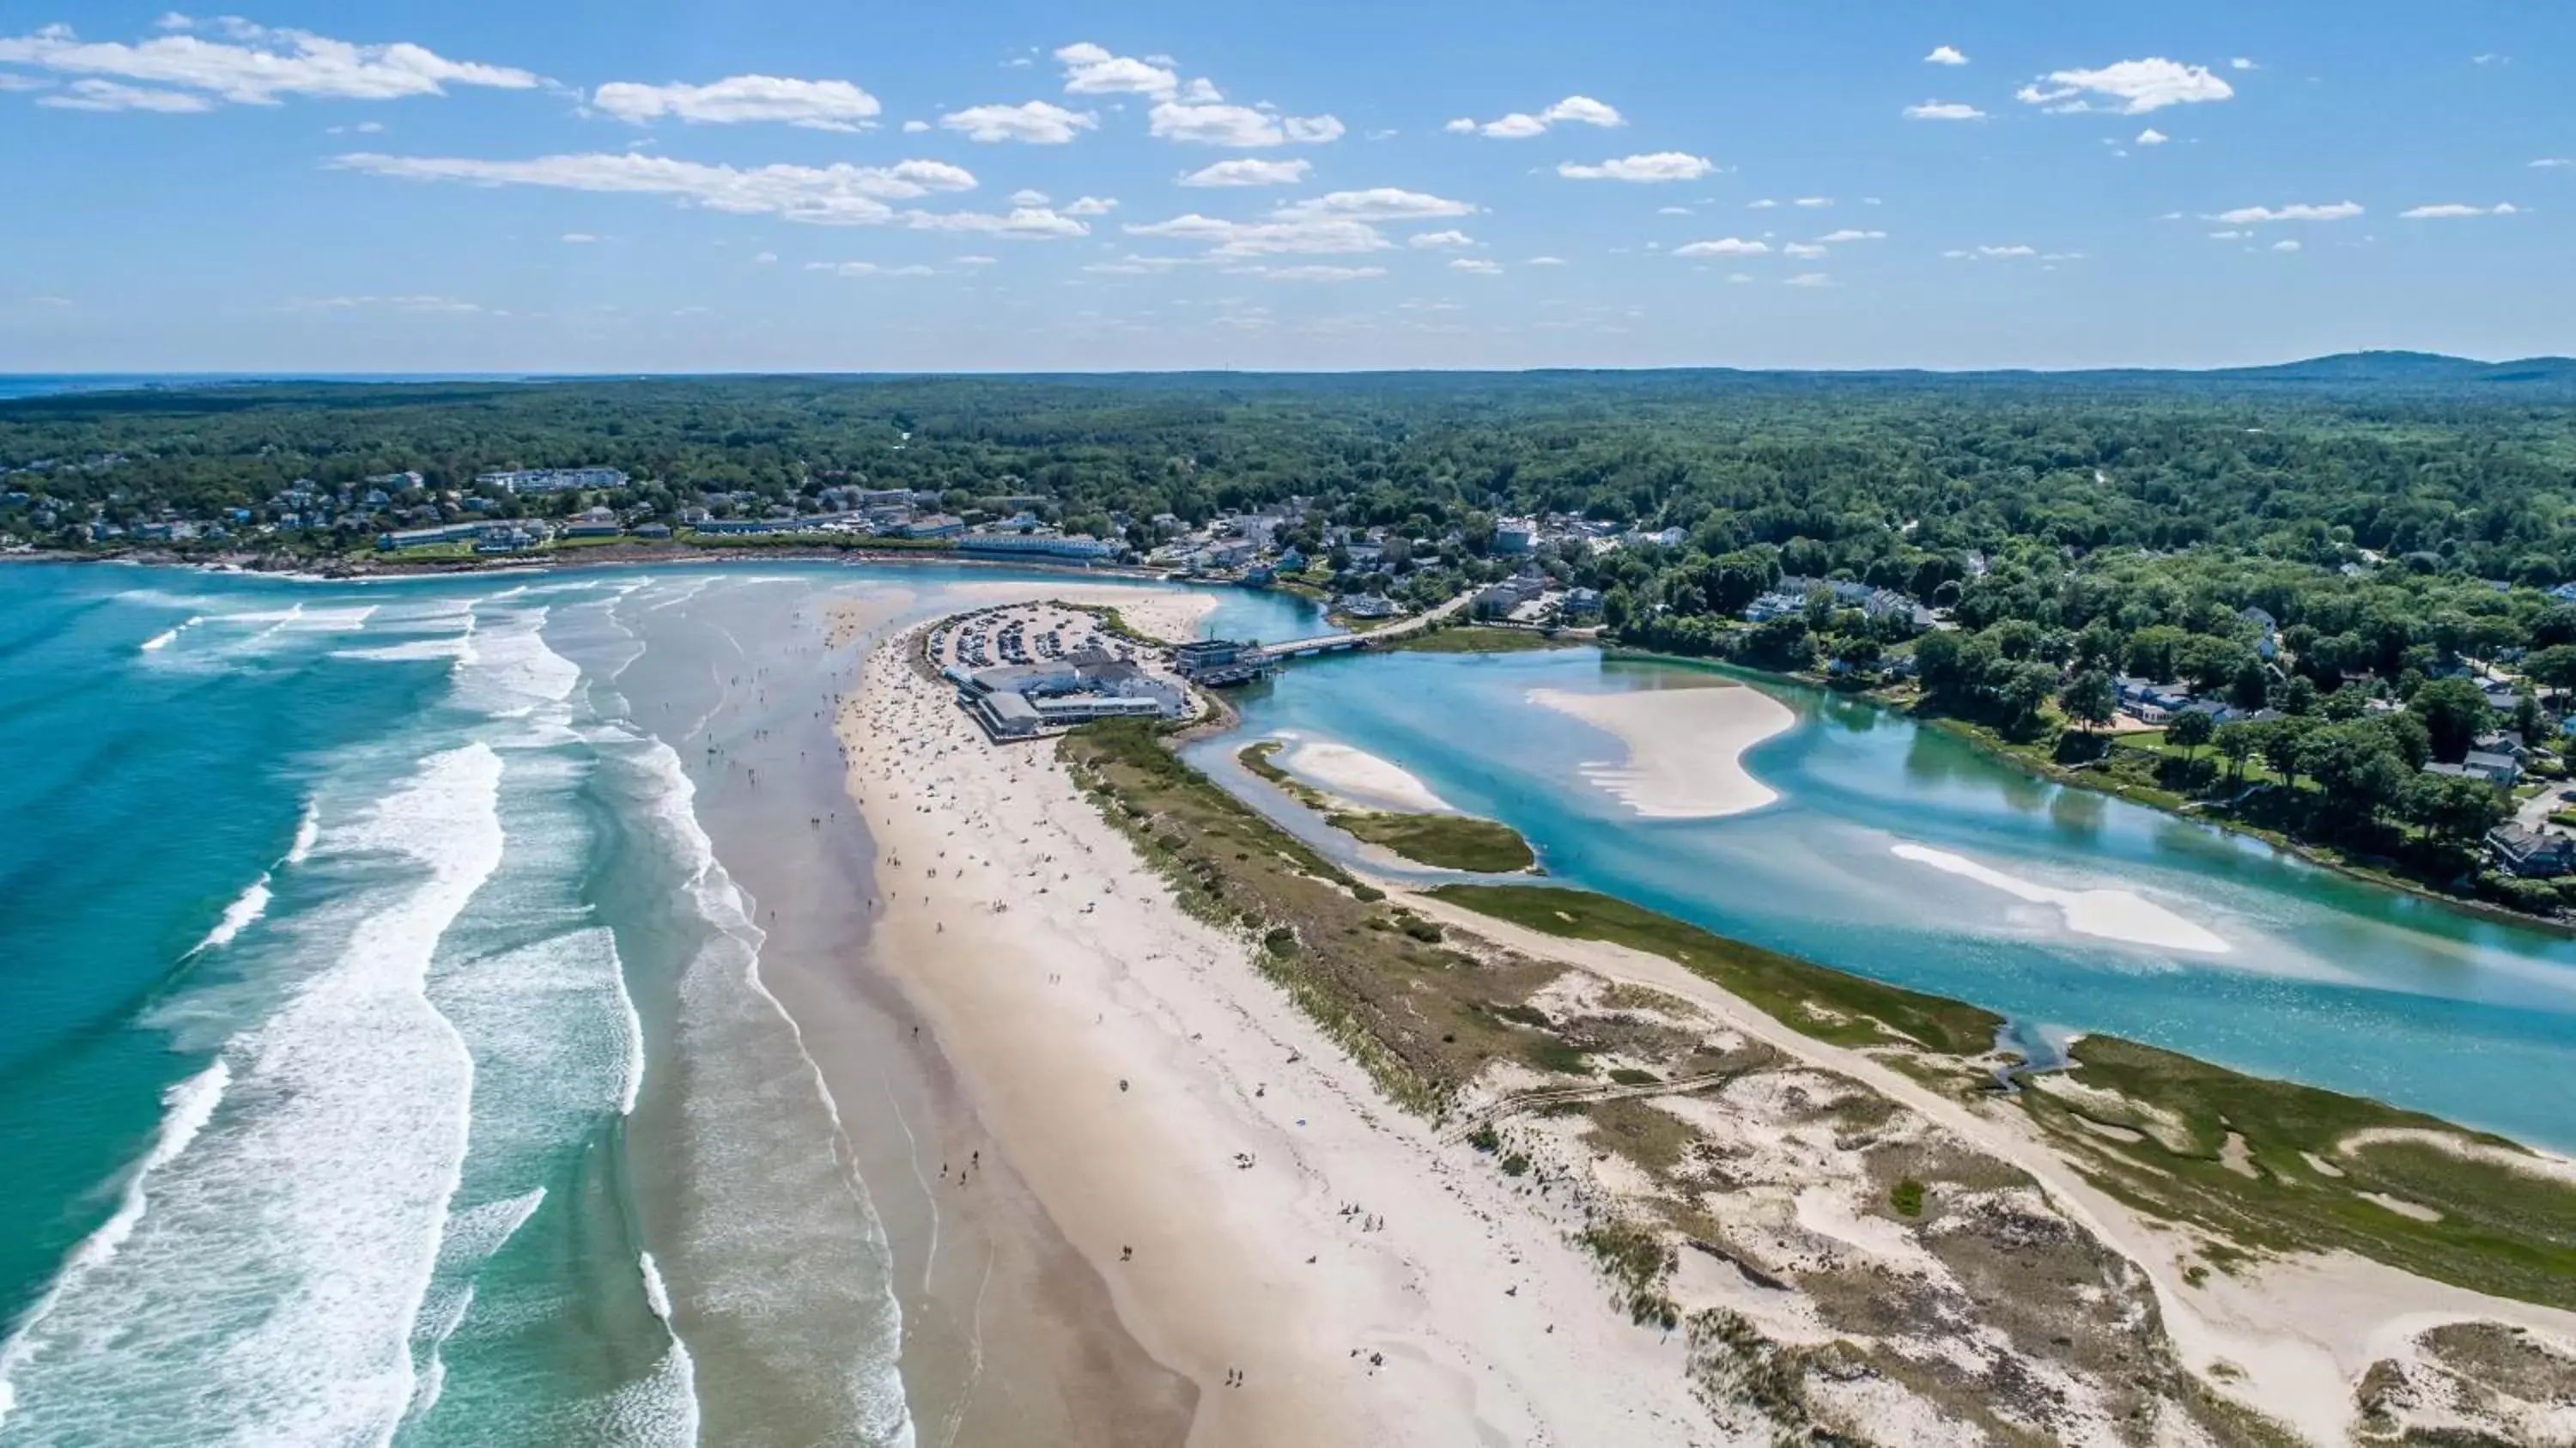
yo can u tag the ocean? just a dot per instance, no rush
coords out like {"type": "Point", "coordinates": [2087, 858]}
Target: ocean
{"type": "Point", "coordinates": [390, 1054]}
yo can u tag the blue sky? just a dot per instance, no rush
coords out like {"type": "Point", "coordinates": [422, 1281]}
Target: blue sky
{"type": "Point", "coordinates": [793, 185]}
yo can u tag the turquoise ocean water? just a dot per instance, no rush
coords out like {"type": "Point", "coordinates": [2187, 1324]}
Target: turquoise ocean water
{"type": "Point", "coordinates": [2319, 978]}
{"type": "Point", "coordinates": [357, 928]}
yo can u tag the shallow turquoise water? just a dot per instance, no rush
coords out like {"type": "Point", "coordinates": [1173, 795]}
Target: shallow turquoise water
{"type": "Point", "coordinates": [2324, 979]}
{"type": "Point", "coordinates": [348, 924]}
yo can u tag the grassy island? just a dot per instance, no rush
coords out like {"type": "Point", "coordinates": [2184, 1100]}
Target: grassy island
{"type": "Point", "coordinates": [1443, 841]}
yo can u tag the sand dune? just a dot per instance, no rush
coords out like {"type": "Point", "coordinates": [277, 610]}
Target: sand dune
{"type": "Point", "coordinates": [2109, 914]}
{"type": "Point", "coordinates": [1685, 746]}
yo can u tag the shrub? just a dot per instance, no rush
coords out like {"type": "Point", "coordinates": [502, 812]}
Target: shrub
{"type": "Point", "coordinates": [1907, 1198]}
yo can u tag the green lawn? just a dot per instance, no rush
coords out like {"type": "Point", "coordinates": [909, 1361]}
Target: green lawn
{"type": "Point", "coordinates": [1448, 842]}
{"type": "Point", "coordinates": [1477, 639]}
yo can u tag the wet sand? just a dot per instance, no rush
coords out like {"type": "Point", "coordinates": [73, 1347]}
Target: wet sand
{"type": "Point", "coordinates": [1007, 1335]}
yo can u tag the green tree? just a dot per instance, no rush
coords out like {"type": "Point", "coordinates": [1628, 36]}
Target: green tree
{"type": "Point", "coordinates": [2454, 713]}
{"type": "Point", "coordinates": [2451, 807]}
{"type": "Point", "coordinates": [2238, 743]}
{"type": "Point", "coordinates": [2089, 699]}
{"type": "Point", "coordinates": [2189, 731]}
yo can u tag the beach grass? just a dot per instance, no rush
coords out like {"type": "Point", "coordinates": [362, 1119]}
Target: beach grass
{"type": "Point", "coordinates": [2186, 1140]}
{"type": "Point", "coordinates": [1815, 1000]}
{"type": "Point", "coordinates": [2239, 1155]}
{"type": "Point", "coordinates": [1423, 1017]}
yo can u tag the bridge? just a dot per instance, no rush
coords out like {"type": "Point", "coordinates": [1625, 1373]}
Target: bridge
{"type": "Point", "coordinates": [1335, 643]}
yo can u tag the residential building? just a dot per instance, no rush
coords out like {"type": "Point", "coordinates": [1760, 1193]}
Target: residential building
{"type": "Point", "coordinates": [1515, 535]}
{"type": "Point", "coordinates": [2531, 854]}
{"type": "Point", "coordinates": [551, 480]}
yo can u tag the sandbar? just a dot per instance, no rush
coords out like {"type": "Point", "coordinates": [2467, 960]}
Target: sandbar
{"type": "Point", "coordinates": [1358, 776]}
{"type": "Point", "coordinates": [2121, 915]}
{"type": "Point", "coordinates": [1685, 746]}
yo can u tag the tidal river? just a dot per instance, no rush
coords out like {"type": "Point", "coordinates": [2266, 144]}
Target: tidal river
{"type": "Point", "coordinates": [1902, 853]}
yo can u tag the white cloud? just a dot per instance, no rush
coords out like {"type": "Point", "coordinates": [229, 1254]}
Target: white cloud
{"type": "Point", "coordinates": [2455, 209]}
{"type": "Point", "coordinates": [1521, 125]}
{"type": "Point", "coordinates": [1944, 111]}
{"type": "Point", "coordinates": [2285, 246]}
{"type": "Point", "coordinates": [1674, 211]}
{"type": "Point", "coordinates": [766, 258]}
{"type": "Point", "coordinates": [868, 269]}
{"type": "Point", "coordinates": [1028, 196]}
{"type": "Point", "coordinates": [2228, 235]}
{"type": "Point", "coordinates": [1477, 266]}
{"type": "Point", "coordinates": [1039, 123]}
{"type": "Point", "coordinates": [915, 128]}
{"type": "Point", "coordinates": [1837, 238]}
{"type": "Point", "coordinates": [2138, 86]}
{"type": "Point", "coordinates": [1311, 235]}
{"type": "Point", "coordinates": [2152, 137]}
{"type": "Point", "coordinates": [450, 306]}
{"type": "Point", "coordinates": [1765, 204]}
{"type": "Point", "coordinates": [820, 105]}
{"type": "Point", "coordinates": [1433, 240]}
{"type": "Point", "coordinates": [1810, 279]}
{"type": "Point", "coordinates": [265, 67]}
{"type": "Point", "coordinates": [1090, 70]}
{"type": "Point", "coordinates": [1945, 55]}
{"type": "Point", "coordinates": [1660, 166]}
{"type": "Point", "coordinates": [1339, 223]}
{"type": "Point", "coordinates": [1242, 127]}
{"type": "Point", "coordinates": [2008, 253]}
{"type": "Point", "coordinates": [108, 95]}
{"type": "Point", "coordinates": [1725, 246]}
{"type": "Point", "coordinates": [836, 195]}
{"type": "Point", "coordinates": [2553, 163]}
{"type": "Point", "coordinates": [1545, 261]}
{"type": "Point", "coordinates": [1379, 203]}
{"type": "Point", "coordinates": [1738, 278]}
{"type": "Point", "coordinates": [2301, 211]}
{"type": "Point", "coordinates": [576, 238]}
{"type": "Point", "coordinates": [1249, 171]}
{"type": "Point", "coordinates": [2242, 63]}
{"type": "Point", "coordinates": [1021, 223]}
{"type": "Point", "coordinates": [1803, 251]}
{"type": "Point", "coordinates": [12, 81]}
{"type": "Point", "coordinates": [1316, 273]}
{"type": "Point", "coordinates": [1813, 202]}
{"type": "Point", "coordinates": [974, 259]}
{"type": "Point", "coordinates": [1091, 206]}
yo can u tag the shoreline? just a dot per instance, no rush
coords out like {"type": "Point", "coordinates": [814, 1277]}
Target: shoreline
{"type": "Point", "coordinates": [1122, 1055]}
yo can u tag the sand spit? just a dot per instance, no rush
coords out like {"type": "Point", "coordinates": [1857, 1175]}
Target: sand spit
{"type": "Point", "coordinates": [1253, 1205]}
{"type": "Point", "coordinates": [1172, 615]}
{"type": "Point", "coordinates": [2121, 915]}
{"type": "Point", "coordinates": [1359, 777]}
{"type": "Point", "coordinates": [1685, 746]}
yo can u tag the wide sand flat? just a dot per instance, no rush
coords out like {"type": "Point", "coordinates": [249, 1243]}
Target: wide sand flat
{"type": "Point", "coordinates": [1685, 746]}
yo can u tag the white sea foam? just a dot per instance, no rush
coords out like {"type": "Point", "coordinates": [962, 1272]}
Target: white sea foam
{"type": "Point", "coordinates": [245, 910]}
{"type": "Point", "coordinates": [2121, 915]}
{"type": "Point", "coordinates": [782, 1237]}
{"type": "Point", "coordinates": [186, 1108]}
{"type": "Point", "coordinates": [656, 1292]}
{"type": "Point", "coordinates": [162, 640]}
{"type": "Point", "coordinates": [307, 830]}
{"type": "Point", "coordinates": [269, 1293]}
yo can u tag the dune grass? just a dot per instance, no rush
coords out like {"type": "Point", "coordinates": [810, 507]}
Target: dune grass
{"type": "Point", "coordinates": [1442, 841]}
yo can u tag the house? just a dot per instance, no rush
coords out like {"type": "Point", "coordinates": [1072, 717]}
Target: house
{"type": "Point", "coordinates": [1515, 535]}
{"type": "Point", "coordinates": [2492, 768]}
{"type": "Point", "coordinates": [551, 480]}
{"type": "Point", "coordinates": [2564, 593]}
{"type": "Point", "coordinates": [1580, 603]}
{"type": "Point", "coordinates": [1365, 605]}
{"type": "Point", "coordinates": [2531, 854]}
{"type": "Point", "coordinates": [2505, 742]}
{"type": "Point", "coordinates": [933, 525]}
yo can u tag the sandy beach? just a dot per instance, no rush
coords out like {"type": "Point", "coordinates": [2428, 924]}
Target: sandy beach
{"type": "Point", "coordinates": [2105, 914]}
{"type": "Point", "coordinates": [1315, 1265]}
{"type": "Point", "coordinates": [1253, 1207]}
{"type": "Point", "coordinates": [1685, 747]}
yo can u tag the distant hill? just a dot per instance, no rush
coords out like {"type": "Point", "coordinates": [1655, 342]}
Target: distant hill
{"type": "Point", "coordinates": [2403, 369]}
